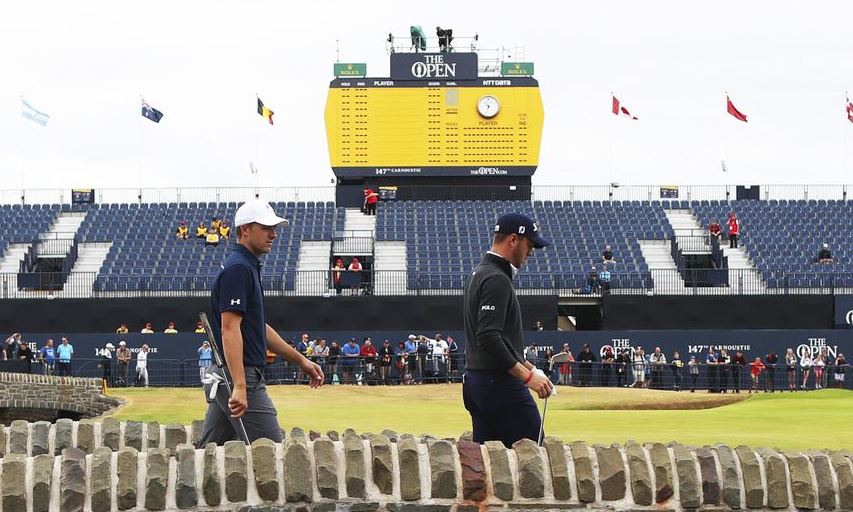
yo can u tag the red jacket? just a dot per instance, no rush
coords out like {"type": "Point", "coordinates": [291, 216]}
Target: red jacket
{"type": "Point", "coordinates": [367, 351]}
{"type": "Point", "coordinates": [734, 226]}
{"type": "Point", "coordinates": [370, 196]}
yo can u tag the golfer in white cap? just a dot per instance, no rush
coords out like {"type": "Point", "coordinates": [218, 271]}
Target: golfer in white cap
{"type": "Point", "coordinates": [238, 315]}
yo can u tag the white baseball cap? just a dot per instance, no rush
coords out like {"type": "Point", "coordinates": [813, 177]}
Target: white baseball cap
{"type": "Point", "coordinates": [110, 345]}
{"type": "Point", "coordinates": [121, 343]}
{"type": "Point", "coordinates": [260, 212]}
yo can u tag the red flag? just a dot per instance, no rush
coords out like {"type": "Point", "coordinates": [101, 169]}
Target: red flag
{"type": "Point", "coordinates": [730, 108]}
{"type": "Point", "coordinates": [849, 110]}
{"type": "Point", "coordinates": [618, 108]}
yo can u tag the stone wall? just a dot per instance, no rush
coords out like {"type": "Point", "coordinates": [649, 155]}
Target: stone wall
{"type": "Point", "coordinates": [112, 465]}
{"type": "Point", "coordinates": [39, 397]}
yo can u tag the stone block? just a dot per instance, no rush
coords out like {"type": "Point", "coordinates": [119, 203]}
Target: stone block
{"type": "Point", "coordinates": [156, 478]}
{"type": "Point", "coordinates": [354, 461]}
{"type": "Point", "coordinates": [62, 435]}
{"type": "Point", "coordinates": [152, 430]}
{"type": "Point", "coordinates": [236, 482]}
{"type": "Point", "coordinates": [825, 481]}
{"type": "Point", "coordinates": [133, 435]}
{"type": "Point", "coordinates": [72, 480]}
{"type": "Point", "coordinates": [752, 479]}
{"type": "Point", "coordinates": [19, 437]}
{"type": "Point", "coordinates": [100, 480]}
{"type": "Point", "coordinates": [805, 496]}
{"type": "Point", "coordinates": [86, 436]}
{"type": "Point", "coordinates": [175, 434]}
{"type": "Point", "coordinates": [40, 436]}
{"type": "Point", "coordinates": [611, 473]}
{"type": "Point", "coordinates": [211, 484]}
{"type": "Point", "coordinates": [583, 471]}
{"type": "Point", "coordinates": [197, 428]}
{"type": "Point", "coordinates": [110, 433]}
{"type": "Point", "coordinates": [559, 467]}
{"type": "Point", "coordinates": [13, 485]}
{"type": "Point", "coordinates": [186, 495]}
{"type": "Point", "coordinates": [127, 469]}
{"type": "Point", "coordinates": [410, 471]}
{"type": "Point", "coordinates": [264, 467]}
{"type": "Point", "coordinates": [662, 466]}
{"type": "Point", "coordinates": [531, 474]}
{"type": "Point", "coordinates": [844, 474]}
{"type": "Point", "coordinates": [731, 478]}
{"type": "Point", "coordinates": [710, 478]}
{"type": "Point", "coordinates": [442, 469]}
{"type": "Point", "coordinates": [689, 486]}
{"type": "Point", "coordinates": [473, 470]}
{"type": "Point", "coordinates": [381, 464]}
{"type": "Point", "coordinates": [42, 482]}
{"type": "Point", "coordinates": [326, 463]}
{"type": "Point", "coordinates": [641, 480]}
{"type": "Point", "coordinates": [777, 479]}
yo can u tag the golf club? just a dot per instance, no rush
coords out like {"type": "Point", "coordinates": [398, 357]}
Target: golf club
{"type": "Point", "coordinates": [562, 357]}
{"type": "Point", "coordinates": [218, 361]}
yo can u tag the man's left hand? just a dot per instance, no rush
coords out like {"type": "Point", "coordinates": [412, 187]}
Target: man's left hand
{"type": "Point", "coordinates": [314, 372]}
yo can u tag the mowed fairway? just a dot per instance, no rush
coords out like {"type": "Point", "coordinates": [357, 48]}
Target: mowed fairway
{"type": "Point", "coordinates": [815, 419]}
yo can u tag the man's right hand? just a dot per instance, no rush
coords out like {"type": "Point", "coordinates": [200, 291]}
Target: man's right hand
{"type": "Point", "coordinates": [238, 403]}
{"type": "Point", "coordinates": [541, 385]}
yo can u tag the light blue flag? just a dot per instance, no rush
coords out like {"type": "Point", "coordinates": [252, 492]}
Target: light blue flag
{"type": "Point", "coordinates": [32, 114]}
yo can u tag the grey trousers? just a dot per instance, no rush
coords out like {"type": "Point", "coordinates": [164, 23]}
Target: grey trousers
{"type": "Point", "coordinates": [260, 417]}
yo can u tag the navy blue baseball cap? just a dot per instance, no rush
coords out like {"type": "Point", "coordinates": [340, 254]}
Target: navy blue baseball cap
{"type": "Point", "coordinates": [521, 225]}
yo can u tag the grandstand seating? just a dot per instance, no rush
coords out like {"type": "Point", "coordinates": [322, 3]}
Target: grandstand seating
{"type": "Point", "coordinates": [446, 239]}
{"type": "Point", "coordinates": [146, 255]}
{"type": "Point", "coordinates": [21, 224]}
{"type": "Point", "coordinates": [784, 237]}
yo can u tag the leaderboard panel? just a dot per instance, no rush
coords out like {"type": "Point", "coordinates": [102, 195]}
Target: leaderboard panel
{"type": "Point", "coordinates": [383, 127]}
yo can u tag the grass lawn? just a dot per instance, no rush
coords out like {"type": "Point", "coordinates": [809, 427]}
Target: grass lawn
{"type": "Point", "coordinates": [816, 419]}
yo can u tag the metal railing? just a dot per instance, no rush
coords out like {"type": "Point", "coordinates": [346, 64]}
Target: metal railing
{"type": "Point", "coordinates": [327, 193]}
{"type": "Point", "coordinates": [420, 368]}
{"type": "Point", "coordinates": [320, 283]}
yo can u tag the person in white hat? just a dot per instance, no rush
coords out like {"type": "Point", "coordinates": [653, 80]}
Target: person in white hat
{"type": "Point", "coordinates": [106, 363]}
{"type": "Point", "coordinates": [238, 316]}
{"type": "Point", "coordinates": [123, 355]}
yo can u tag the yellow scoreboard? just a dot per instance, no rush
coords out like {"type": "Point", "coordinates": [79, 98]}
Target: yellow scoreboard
{"type": "Point", "coordinates": [444, 127]}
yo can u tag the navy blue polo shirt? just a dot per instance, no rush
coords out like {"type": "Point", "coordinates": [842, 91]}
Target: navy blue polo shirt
{"type": "Point", "coordinates": [237, 288]}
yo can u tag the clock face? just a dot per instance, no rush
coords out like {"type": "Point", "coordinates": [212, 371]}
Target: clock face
{"type": "Point", "coordinates": [488, 106]}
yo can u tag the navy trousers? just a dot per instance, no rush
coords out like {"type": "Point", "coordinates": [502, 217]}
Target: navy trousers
{"type": "Point", "coordinates": [501, 407]}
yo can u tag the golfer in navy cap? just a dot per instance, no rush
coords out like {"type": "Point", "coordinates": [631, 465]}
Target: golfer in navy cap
{"type": "Point", "coordinates": [497, 378]}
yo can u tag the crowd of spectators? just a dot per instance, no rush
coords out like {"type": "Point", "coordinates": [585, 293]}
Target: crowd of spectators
{"type": "Point", "coordinates": [219, 229]}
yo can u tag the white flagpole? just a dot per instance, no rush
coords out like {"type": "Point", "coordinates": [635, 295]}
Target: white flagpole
{"type": "Point", "coordinates": [612, 142]}
{"type": "Point", "coordinates": [141, 100]}
{"type": "Point", "coordinates": [844, 144]}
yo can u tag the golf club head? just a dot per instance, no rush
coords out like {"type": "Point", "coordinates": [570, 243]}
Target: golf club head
{"type": "Point", "coordinates": [561, 357]}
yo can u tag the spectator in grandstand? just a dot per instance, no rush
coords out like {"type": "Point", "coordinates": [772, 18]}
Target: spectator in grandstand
{"type": "Point", "coordinates": [183, 231]}
{"type": "Point", "coordinates": [566, 367]}
{"type": "Point", "coordinates": [658, 362]}
{"type": "Point", "coordinates": [531, 354]}
{"type": "Point", "coordinates": [224, 230]}
{"type": "Point", "coordinates": [386, 354]}
{"type": "Point", "coordinates": [738, 364]}
{"type": "Point", "coordinates": [349, 363]}
{"type": "Point", "coordinates": [11, 346]}
{"type": "Point", "coordinates": [840, 369]}
{"type": "Point", "coordinates": [824, 256]}
{"type": "Point", "coordinates": [607, 257]}
{"type": "Point", "coordinates": [147, 329]}
{"type": "Point", "coordinates": [123, 355]}
{"type": "Point", "coordinates": [585, 358]}
{"type": "Point", "coordinates": [552, 372]}
{"type": "Point", "coordinates": [302, 344]}
{"type": "Point", "coordinates": [355, 266]}
{"type": "Point", "coordinates": [638, 361]}
{"type": "Point", "coordinates": [212, 237]}
{"type": "Point", "coordinates": [453, 360]}
{"type": "Point", "coordinates": [370, 200]}
{"type": "Point", "coordinates": [337, 269]}
{"type": "Point", "coordinates": [828, 362]}
{"type": "Point", "coordinates": [424, 367]}
{"type": "Point", "coordinates": [622, 364]}
{"type": "Point", "coordinates": [604, 279]}
{"type": "Point", "coordinates": [756, 367]}
{"type": "Point", "coordinates": [142, 366]}
{"type": "Point", "coordinates": [592, 281]}
{"type": "Point", "coordinates": [215, 224]}
{"type": "Point", "coordinates": [724, 362]}
{"type": "Point", "coordinates": [334, 357]}
{"type": "Point", "coordinates": [770, 361]}
{"type": "Point", "coordinates": [170, 329]}
{"type": "Point", "coordinates": [122, 329]}
{"type": "Point", "coordinates": [105, 362]}
{"type": "Point", "coordinates": [64, 353]}
{"type": "Point", "coordinates": [712, 364]}
{"type": "Point", "coordinates": [715, 230]}
{"type": "Point", "coordinates": [368, 353]}
{"type": "Point", "coordinates": [321, 353]}
{"type": "Point", "coordinates": [734, 230]}
{"type": "Point", "coordinates": [24, 352]}
{"type": "Point", "coordinates": [47, 357]}
{"type": "Point", "coordinates": [818, 364]}
{"type": "Point", "coordinates": [791, 369]}
{"type": "Point", "coordinates": [806, 365]}
{"type": "Point", "coordinates": [199, 328]}
{"type": "Point", "coordinates": [412, 351]}
{"type": "Point", "coordinates": [538, 326]}
{"type": "Point", "coordinates": [201, 230]}
{"type": "Point", "coordinates": [607, 360]}
{"type": "Point", "coordinates": [401, 364]}
{"type": "Point", "coordinates": [205, 359]}
{"type": "Point", "coordinates": [693, 370]}
{"type": "Point", "coordinates": [677, 365]}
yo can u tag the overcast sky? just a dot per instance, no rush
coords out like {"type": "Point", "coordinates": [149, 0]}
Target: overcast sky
{"type": "Point", "coordinates": [785, 64]}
